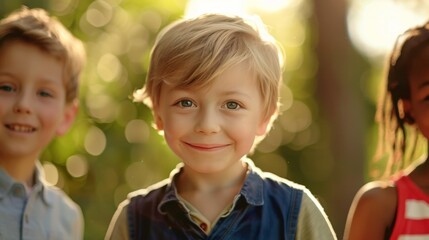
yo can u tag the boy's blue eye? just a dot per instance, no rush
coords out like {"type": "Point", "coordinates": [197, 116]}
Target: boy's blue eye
{"type": "Point", "coordinates": [45, 94]}
{"type": "Point", "coordinates": [232, 105]}
{"type": "Point", "coordinates": [185, 103]}
{"type": "Point", "coordinates": [6, 88]}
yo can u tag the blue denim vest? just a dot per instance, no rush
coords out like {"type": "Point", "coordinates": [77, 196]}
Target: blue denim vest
{"type": "Point", "coordinates": [267, 208]}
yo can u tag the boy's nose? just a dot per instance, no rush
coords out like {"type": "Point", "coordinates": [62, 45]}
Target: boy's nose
{"type": "Point", "coordinates": [207, 122]}
{"type": "Point", "coordinates": [23, 104]}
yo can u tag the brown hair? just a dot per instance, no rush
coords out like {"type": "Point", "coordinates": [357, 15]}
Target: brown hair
{"type": "Point", "coordinates": [36, 27]}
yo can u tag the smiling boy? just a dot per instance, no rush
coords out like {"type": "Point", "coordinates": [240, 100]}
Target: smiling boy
{"type": "Point", "coordinates": [213, 86]}
{"type": "Point", "coordinates": [40, 63]}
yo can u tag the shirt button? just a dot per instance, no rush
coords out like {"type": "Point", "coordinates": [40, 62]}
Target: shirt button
{"type": "Point", "coordinates": [203, 226]}
{"type": "Point", "coordinates": [17, 192]}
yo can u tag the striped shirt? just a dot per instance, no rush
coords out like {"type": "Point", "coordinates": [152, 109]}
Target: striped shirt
{"type": "Point", "coordinates": [412, 218]}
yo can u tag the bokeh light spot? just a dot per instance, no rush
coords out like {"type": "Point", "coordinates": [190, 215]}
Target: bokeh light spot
{"type": "Point", "coordinates": [77, 166]}
{"type": "Point", "coordinates": [305, 138]}
{"type": "Point", "coordinates": [61, 6]}
{"type": "Point", "coordinates": [272, 141]}
{"type": "Point", "coordinates": [102, 107]}
{"type": "Point", "coordinates": [286, 98]}
{"type": "Point", "coordinates": [99, 13]}
{"type": "Point", "coordinates": [152, 20]}
{"type": "Point", "coordinates": [51, 173]}
{"type": "Point", "coordinates": [137, 131]}
{"type": "Point", "coordinates": [109, 67]}
{"type": "Point", "coordinates": [296, 118]}
{"type": "Point", "coordinates": [95, 141]}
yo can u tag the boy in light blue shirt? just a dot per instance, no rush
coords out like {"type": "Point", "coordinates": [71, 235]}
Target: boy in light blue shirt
{"type": "Point", "coordinates": [40, 65]}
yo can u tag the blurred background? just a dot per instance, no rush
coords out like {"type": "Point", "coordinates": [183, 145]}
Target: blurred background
{"type": "Point", "coordinates": [325, 138]}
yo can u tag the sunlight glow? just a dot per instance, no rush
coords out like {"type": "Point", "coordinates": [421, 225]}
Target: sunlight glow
{"type": "Point", "coordinates": [270, 5]}
{"type": "Point", "coordinates": [197, 7]}
{"type": "Point", "coordinates": [374, 25]}
{"type": "Point", "coordinates": [235, 7]}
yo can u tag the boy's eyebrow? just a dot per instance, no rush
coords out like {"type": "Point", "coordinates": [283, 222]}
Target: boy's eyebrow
{"type": "Point", "coordinates": [227, 93]}
{"type": "Point", "coordinates": [5, 73]}
{"type": "Point", "coordinates": [43, 80]}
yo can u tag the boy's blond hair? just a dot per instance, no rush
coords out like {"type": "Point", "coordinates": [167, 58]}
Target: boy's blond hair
{"type": "Point", "coordinates": [36, 27]}
{"type": "Point", "coordinates": [193, 52]}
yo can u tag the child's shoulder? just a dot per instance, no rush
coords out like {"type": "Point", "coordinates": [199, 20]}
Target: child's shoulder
{"type": "Point", "coordinates": [59, 199]}
{"type": "Point", "coordinates": [273, 187]}
{"type": "Point", "coordinates": [272, 178]}
{"type": "Point", "coordinates": [377, 194]}
{"type": "Point", "coordinates": [276, 182]}
{"type": "Point", "coordinates": [158, 188]}
{"type": "Point", "coordinates": [377, 199]}
{"type": "Point", "coordinates": [55, 194]}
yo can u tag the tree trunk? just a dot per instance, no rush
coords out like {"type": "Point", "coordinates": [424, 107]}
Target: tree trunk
{"type": "Point", "coordinates": [341, 104]}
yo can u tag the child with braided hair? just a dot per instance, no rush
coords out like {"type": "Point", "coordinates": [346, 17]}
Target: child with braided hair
{"type": "Point", "coordinates": [398, 208]}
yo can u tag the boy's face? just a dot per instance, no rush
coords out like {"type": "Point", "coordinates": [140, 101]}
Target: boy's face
{"type": "Point", "coordinates": [211, 129]}
{"type": "Point", "coordinates": [32, 101]}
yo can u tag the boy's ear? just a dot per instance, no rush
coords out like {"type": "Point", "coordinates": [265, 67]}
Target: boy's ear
{"type": "Point", "coordinates": [264, 127]}
{"type": "Point", "coordinates": [158, 121]}
{"type": "Point", "coordinates": [267, 121]}
{"type": "Point", "coordinates": [70, 113]}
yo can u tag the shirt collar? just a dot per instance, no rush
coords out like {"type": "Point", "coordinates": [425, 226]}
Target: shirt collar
{"type": "Point", "coordinates": [6, 183]}
{"type": "Point", "coordinates": [41, 185]}
{"type": "Point", "coordinates": [253, 186]}
{"type": "Point", "coordinates": [252, 189]}
{"type": "Point", "coordinates": [170, 196]}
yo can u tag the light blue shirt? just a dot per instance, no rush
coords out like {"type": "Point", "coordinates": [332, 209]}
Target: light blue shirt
{"type": "Point", "coordinates": [46, 213]}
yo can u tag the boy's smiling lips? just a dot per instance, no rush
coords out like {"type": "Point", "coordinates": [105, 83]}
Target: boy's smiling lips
{"type": "Point", "coordinates": [206, 147]}
{"type": "Point", "coordinates": [22, 128]}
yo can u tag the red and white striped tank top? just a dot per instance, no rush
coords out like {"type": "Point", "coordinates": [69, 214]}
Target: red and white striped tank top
{"type": "Point", "coordinates": [412, 217]}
